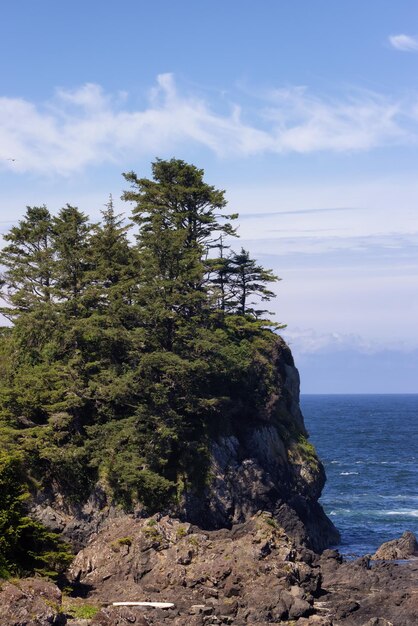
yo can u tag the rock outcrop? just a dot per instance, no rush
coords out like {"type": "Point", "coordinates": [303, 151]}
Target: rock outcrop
{"type": "Point", "coordinates": [251, 574]}
{"type": "Point", "coordinates": [261, 462]}
{"type": "Point", "coordinates": [365, 593]}
{"type": "Point", "coordinates": [403, 548]}
{"type": "Point", "coordinates": [30, 602]}
{"type": "Point", "coordinates": [267, 464]}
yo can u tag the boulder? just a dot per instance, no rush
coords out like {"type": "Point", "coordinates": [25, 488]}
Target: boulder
{"type": "Point", "coordinates": [30, 602]}
{"type": "Point", "coordinates": [403, 548]}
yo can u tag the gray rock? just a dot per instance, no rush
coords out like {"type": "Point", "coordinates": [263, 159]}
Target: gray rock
{"type": "Point", "coordinates": [299, 608]}
{"type": "Point", "coordinates": [30, 602]}
{"type": "Point", "coordinates": [403, 548]}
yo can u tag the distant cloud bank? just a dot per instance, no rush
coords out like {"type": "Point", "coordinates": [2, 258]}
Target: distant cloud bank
{"type": "Point", "coordinates": [405, 43]}
{"type": "Point", "coordinates": [308, 341]}
{"type": "Point", "coordinates": [88, 126]}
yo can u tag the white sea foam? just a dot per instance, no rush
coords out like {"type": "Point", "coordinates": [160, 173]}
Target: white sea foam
{"type": "Point", "coordinates": [405, 512]}
{"type": "Point", "coordinates": [339, 512]}
{"type": "Point", "coordinates": [405, 497]}
{"type": "Point", "coordinates": [348, 473]}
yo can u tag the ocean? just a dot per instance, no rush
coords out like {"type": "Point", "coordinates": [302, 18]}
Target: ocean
{"type": "Point", "coordinates": [369, 447]}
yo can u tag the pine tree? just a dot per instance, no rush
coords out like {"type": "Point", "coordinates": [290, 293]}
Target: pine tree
{"type": "Point", "coordinates": [219, 271]}
{"type": "Point", "coordinates": [71, 234]}
{"type": "Point", "coordinates": [114, 273]}
{"type": "Point", "coordinates": [124, 356]}
{"type": "Point", "coordinates": [178, 214]}
{"type": "Point", "coordinates": [249, 279]}
{"type": "Point", "coordinates": [29, 259]}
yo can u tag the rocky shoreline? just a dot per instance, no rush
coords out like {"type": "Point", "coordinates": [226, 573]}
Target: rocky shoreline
{"type": "Point", "coordinates": [249, 548]}
{"type": "Point", "coordinates": [253, 573]}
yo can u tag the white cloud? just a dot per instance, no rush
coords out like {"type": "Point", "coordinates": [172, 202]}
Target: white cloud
{"type": "Point", "coordinates": [87, 126]}
{"type": "Point", "coordinates": [309, 341]}
{"type": "Point", "coordinates": [308, 123]}
{"type": "Point", "coordinates": [405, 43]}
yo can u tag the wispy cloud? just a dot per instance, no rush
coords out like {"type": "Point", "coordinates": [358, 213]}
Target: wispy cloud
{"type": "Point", "coordinates": [405, 43]}
{"type": "Point", "coordinates": [309, 341]}
{"type": "Point", "coordinates": [298, 212]}
{"type": "Point", "coordinates": [87, 126]}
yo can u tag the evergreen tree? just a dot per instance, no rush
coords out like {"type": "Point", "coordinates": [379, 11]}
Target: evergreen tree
{"type": "Point", "coordinates": [71, 232]}
{"type": "Point", "coordinates": [249, 279]}
{"type": "Point", "coordinates": [28, 260]}
{"type": "Point", "coordinates": [111, 258]}
{"type": "Point", "coordinates": [178, 214]}
{"type": "Point", "coordinates": [25, 545]}
{"type": "Point", "coordinates": [219, 276]}
{"type": "Point", "coordinates": [125, 357]}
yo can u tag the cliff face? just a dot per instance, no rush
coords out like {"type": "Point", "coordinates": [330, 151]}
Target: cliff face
{"type": "Point", "coordinates": [266, 463]}
{"type": "Point", "coordinates": [260, 462]}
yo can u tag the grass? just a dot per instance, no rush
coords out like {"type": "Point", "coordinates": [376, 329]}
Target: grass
{"type": "Point", "coordinates": [181, 532]}
{"type": "Point", "coordinates": [81, 611]}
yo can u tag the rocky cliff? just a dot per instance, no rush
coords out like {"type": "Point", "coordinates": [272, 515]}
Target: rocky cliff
{"type": "Point", "coordinates": [261, 462]}
{"type": "Point", "coordinates": [266, 463]}
{"type": "Point", "coordinates": [242, 551]}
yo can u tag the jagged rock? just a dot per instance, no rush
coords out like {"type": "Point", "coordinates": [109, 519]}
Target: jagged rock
{"type": "Point", "coordinates": [222, 576]}
{"type": "Point", "coordinates": [314, 620]}
{"type": "Point", "coordinates": [76, 522]}
{"type": "Point", "coordinates": [345, 608]}
{"type": "Point", "coordinates": [254, 469]}
{"type": "Point", "coordinates": [30, 602]}
{"type": "Point", "coordinates": [403, 548]}
{"type": "Point", "coordinates": [385, 591]}
{"type": "Point", "coordinates": [332, 554]}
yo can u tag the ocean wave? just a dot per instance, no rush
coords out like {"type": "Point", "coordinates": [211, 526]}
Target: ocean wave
{"type": "Point", "coordinates": [402, 512]}
{"type": "Point", "coordinates": [405, 497]}
{"type": "Point", "coordinates": [339, 512]}
{"type": "Point", "coordinates": [348, 473]}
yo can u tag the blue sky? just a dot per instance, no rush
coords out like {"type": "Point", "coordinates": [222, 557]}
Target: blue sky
{"type": "Point", "coordinates": [305, 112]}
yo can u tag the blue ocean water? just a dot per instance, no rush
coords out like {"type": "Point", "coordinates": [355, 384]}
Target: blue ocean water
{"type": "Point", "coordinates": [369, 447]}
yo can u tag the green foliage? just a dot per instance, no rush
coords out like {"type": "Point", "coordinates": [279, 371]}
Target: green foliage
{"type": "Point", "coordinates": [128, 355]}
{"type": "Point", "coordinates": [303, 451]}
{"type": "Point", "coordinates": [306, 447]}
{"type": "Point", "coordinates": [28, 259]}
{"type": "Point", "coordinates": [181, 532]}
{"type": "Point", "coordinates": [152, 532]}
{"type": "Point", "coordinates": [25, 545]}
{"type": "Point", "coordinates": [248, 279]}
{"type": "Point", "coordinates": [81, 611]}
{"type": "Point", "coordinates": [125, 541]}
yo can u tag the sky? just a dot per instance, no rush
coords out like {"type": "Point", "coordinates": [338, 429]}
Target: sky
{"type": "Point", "coordinates": [306, 113]}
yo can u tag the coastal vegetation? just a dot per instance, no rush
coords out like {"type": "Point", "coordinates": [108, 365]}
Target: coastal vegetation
{"type": "Point", "coordinates": [130, 344]}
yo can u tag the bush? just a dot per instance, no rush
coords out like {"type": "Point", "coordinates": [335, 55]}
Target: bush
{"type": "Point", "coordinates": [26, 546]}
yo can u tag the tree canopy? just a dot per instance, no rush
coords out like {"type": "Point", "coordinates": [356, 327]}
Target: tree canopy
{"type": "Point", "coordinates": [133, 343]}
